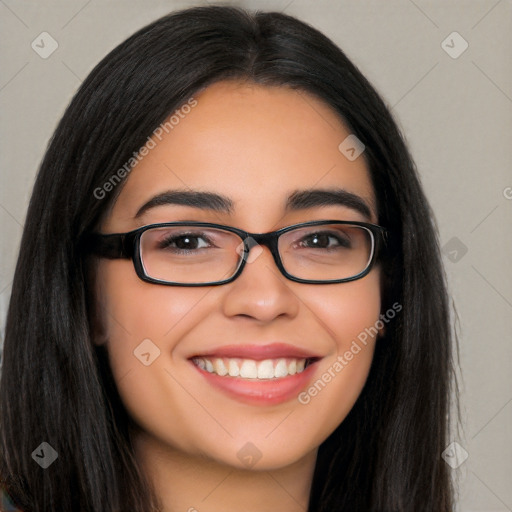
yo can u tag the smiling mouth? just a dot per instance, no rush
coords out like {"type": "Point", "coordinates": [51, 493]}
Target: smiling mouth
{"type": "Point", "coordinates": [261, 375]}
{"type": "Point", "coordinates": [266, 369]}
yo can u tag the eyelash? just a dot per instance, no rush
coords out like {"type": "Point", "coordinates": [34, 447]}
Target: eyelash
{"type": "Point", "coordinates": [166, 243]}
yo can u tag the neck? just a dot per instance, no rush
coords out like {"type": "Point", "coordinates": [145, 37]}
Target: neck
{"type": "Point", "coordinates": [192, 483]}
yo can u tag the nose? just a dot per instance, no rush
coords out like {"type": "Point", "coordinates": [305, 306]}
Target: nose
{"type": "Point", "coordinates": [260, 292]}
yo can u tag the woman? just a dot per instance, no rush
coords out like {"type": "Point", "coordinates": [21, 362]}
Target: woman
{"type": "Point", "coordinates": [229, 293]}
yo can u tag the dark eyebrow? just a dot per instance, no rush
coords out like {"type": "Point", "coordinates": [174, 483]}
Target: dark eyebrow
{"type": "Point", "coordinates": [298, 200]}
{"type": "Point", "coordinates": [303, 199]}
{"type": "Point", "coordinates": [196, 199]}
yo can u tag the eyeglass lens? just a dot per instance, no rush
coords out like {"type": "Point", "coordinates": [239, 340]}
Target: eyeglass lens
{"type": "Point", "coordinates": [192, 254]}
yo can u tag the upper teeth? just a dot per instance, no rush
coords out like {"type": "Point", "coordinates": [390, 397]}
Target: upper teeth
{"type": "Point", "coordinates": [249, 368]}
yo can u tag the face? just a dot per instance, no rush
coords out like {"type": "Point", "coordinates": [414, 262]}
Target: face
{"type": "Point", "coordinates": [257, 146]}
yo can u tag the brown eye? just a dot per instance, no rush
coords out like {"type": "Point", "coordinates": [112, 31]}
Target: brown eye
{"type": "Point", "coordinates": [185, 242]}
{"type": "Point", "coordinates": [325, 240]}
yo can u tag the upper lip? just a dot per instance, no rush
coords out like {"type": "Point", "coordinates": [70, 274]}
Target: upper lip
{"type": "Point", "coordinates": [259, 352]}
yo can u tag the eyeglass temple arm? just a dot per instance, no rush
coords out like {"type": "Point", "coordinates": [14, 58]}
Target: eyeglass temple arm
{"type": "Point", "coordinates": [114, 246]}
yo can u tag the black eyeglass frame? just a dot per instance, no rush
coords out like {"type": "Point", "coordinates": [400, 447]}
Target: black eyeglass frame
{"type": "Point", "coordinates": [127, 245]}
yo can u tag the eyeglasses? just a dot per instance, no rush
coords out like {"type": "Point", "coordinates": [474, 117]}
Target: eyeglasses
{"type": "Point", "coordinates": [206, 254]}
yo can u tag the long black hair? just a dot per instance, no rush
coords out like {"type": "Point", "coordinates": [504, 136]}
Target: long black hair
{"type": "Point", "coordinates": [56, 386]}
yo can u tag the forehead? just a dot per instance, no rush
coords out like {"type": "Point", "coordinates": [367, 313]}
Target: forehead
{"type": "Point", "coordinates": [255, 144]}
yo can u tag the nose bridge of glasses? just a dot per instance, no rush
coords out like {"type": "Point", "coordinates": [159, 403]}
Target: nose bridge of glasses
{"type": "Point", "coordinates": [269, 240]}
{"type": "Point", "coordinates": [254, 239]}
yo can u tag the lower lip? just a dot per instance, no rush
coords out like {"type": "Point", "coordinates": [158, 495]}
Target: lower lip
{"type": "Point", "coordinates": [260, 392]}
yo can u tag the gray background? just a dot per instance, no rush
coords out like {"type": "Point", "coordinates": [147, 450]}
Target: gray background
{"type": "Point", "coordinates": [456, 114]}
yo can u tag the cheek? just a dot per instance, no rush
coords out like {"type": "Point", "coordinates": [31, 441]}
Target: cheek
{"type": "Point", "coordinates": [133, 309]}
{"type": "Point", "coordinates": [350, 313]}
{"type": "Point", "coordinates": [347, 309]}
{"type": "Point", "coordinates": [142, 325]}
{"type": "Point", "coordinates": [140, 320]}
